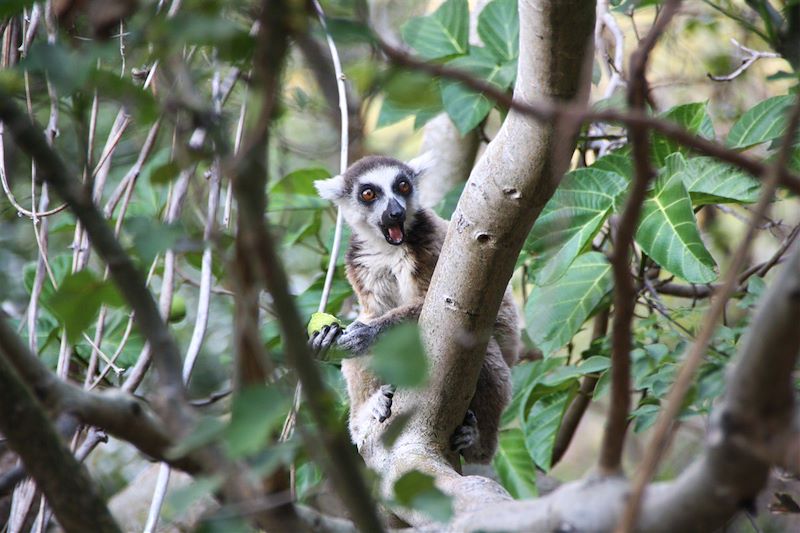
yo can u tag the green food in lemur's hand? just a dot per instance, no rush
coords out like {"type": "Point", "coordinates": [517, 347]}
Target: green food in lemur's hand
{"type": "Point", "coordinates": [319, 321]}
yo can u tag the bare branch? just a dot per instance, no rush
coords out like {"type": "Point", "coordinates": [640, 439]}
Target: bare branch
{"type": "Point", "coordinates": [750, 57]}
{"type": "Point", "coordinates": [118, 413]}
{"type": "Point", "coordinates": [249, 186]}
{"type": "Point", "coordinates": [624, 291]}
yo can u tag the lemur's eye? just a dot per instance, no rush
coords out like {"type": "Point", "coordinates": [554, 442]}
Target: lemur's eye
{"type": "Point", "coordinates": [368, 195]}
{"type": "Point", "coordinates": [403, 187]}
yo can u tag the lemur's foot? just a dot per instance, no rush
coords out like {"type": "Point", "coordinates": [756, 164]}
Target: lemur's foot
{"type": "Point", "coordinates": [322, 340]}
{"type": "Point", "coordinates": [466, 435]}
{"type": "Point", "coordinates": [358, 337]}
{"type": "Point", "coordinates": [382, 402]}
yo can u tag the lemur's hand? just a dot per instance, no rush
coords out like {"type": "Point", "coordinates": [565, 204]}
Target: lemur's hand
{"type": "Point", "coordinates": [358, 337]}
{"type": "Point", "coordinates": [322, 339]}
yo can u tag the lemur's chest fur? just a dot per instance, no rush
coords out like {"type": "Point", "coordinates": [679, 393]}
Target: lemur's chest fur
{"type": "Point", "coordinates": [386, 277]}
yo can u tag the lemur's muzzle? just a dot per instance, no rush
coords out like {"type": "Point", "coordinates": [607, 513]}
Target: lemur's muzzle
{"type": "Point", "coordinates": [392, 221]}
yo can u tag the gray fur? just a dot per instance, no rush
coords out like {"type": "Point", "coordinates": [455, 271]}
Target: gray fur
{"type": "Point", "coordinates": [391, 282]}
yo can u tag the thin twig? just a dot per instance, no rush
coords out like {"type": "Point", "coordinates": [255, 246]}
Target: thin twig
{"type": "Point", "coordinates": [750, 57]}
{"type": "Point", "coordinates": [624, 290]}
{"type": "Point", "coordinates": [288, 425]}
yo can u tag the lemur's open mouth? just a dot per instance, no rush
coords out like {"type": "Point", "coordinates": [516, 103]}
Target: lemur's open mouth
{"type": "Point", "coordinates": [394, 234]}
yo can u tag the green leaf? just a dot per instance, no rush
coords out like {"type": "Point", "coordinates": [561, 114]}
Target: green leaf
{"type": "Point", "coordinates": [407, 94]}
{"type": "Point", "coordinates": [441, 34]}
{"type": "Point", "coordinates": [571, 219]}
{"type": "Point", "coordinates": [764, 122]}
{"type": "Point", "coordinates": [498, 28]}
{"type": "Point", "coordinates": [565, 373]}
{"type": "Point", "coordinates": [615, 162]}
{"type": "Point", "coordinates": [256, 412]}
{"type": "Point", "coordinates": [694, 118]}
{"type": "Point", "coordinates": [399, 358]}
{"type": "Point", "coordinates": [525, 377]}
{"type": "Point", "coordinates": [710, 181]}
{"type": "Point", "coordinates": [668, 231]}
{"type": "Point", "coordinates": [417, 491]}
{"type": "Point", "coordinates": [513, 465]}
{"type": "Point", "coordinates": [152, 237]}
{"type": "Point", "coordinates": [391, 113]}
{"type": "Point", "coordinates": [542, 426]}
{"type": "Point", "coordinates": [68, 70]}
{"type": "Point", "coordinates": [554, 313]}
{"type": "Point", "coordinates": [447, 205]}
{"type": "Point", "coordinates": [308, 476]}
{"type": "Point", "coordinates": [645, 416]}
{"type": "Point", "coordinates": [466, 107]}
{"type": "Point", "coordinates": [13, 7]}
{"type": "Point", "coordinates": [78, 299]}
{"type": "Point", "coordinates": [163, 174]}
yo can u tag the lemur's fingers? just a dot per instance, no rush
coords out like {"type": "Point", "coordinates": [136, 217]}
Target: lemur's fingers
{"type": "Point", "coordinates": [315, 342]}
{"type": "Point", "coordinates": [328, 338]}
{"type": "Point", "coordinates": [466, 435]}
{"type": "Point", "coordinates": [321, 340]}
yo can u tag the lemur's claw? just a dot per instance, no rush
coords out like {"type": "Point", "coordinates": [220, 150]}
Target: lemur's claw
{"type": "Point", "coordinates": [321, 340]}
{"type": "Point", "coordinates": [382, 402]}
{"type": "Point", "coordinates": [358, 337]}
{"type": "Point", "coordinates": [466, 435]}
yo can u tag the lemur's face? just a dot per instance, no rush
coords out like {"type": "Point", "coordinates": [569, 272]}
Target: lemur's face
{"type": "Point", "coordinates": [377, 195]}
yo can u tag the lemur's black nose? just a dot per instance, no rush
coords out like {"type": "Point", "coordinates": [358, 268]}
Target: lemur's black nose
{"type": "Point", "coordinates": [394, 211]}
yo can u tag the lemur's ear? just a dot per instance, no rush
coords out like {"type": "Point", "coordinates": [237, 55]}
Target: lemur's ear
{"type": "Point", "coordinates": [422, 163]}
{"type": "Point", "coordinates": [332, 188]}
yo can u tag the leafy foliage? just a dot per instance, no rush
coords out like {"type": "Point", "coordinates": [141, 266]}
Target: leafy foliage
{"type": "Point", "coordinates": [443, 35]}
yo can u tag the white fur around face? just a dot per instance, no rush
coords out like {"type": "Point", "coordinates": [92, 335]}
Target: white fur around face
{"type": "Point", "coordinates": [364, 220]}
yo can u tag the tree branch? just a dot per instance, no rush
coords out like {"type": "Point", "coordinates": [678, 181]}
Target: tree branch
{"type": "Point", "coordinates": [624, 290]}
{"type": "Point", "coordinates": [249, 183]}
{"type": "Point", "coordinates": [61, 477]}
{"type": "Point", "coordinates": [116, 412]}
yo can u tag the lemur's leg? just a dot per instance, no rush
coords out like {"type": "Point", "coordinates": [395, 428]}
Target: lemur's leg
{"type": "Point", "coordinates": [492, 394]}
{"type": "Point", "coordinates": [359, 336]}
{"type": "Point", "coordinates": [322, 340]}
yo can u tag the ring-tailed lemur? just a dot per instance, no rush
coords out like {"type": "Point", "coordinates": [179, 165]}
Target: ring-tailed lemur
{"type": "Point", "coordinates": [394, 248]}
